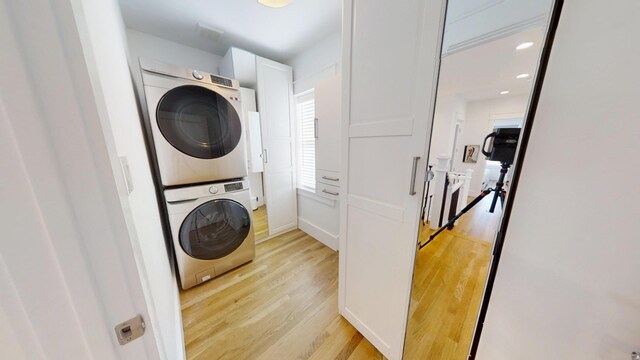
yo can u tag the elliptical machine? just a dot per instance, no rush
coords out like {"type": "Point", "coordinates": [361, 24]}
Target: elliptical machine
{"type": "Point", "coordinates": [504, 142]}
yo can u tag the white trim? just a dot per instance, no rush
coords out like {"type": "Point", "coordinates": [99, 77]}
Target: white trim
{"type": "Point", "coordinates": [535, 21]}
{"type": "Point", "coordinates": [318, 233]}
{"type": "Point", "coordinates": [503, 116]}
{"type": "Point", "coordinates": [475, 10]}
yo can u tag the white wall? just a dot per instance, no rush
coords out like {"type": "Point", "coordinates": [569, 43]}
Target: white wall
{"type": "Point", "coordinates": [567, 283]}
{"type": "Point", "coordinates": [318, 62]}
{"type": "Point", "coordinates": [477, 125]}
{"type": "Point", "coordinates": [318, 216]}
{"type": "Point", "coordinates": [145, 45]}
{"type": "Point", "coordinates": [67, 270]}
{"type": "Point", "coordinates": [153, 47]}
{"type": "Point", "coordinates": [111, 79]}
{"type": "Point", "coordinates": [449, 108]}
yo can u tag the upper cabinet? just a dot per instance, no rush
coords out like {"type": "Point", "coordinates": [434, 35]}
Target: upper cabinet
{"type": "Point", "coordinates": [240, 65]}
{"type": "Point", "coordinates": [327, 130]}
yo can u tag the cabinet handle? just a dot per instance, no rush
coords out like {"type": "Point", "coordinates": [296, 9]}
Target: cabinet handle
{"type": "Point", "coordinates": [331, 178]}
{"type": "Point", "coordinates": [412, 187]}
{"type": "Point", "coordinates": [315, 128]}
{"type": "Point", "coordinates": [266, 158]}
{"type": "Point", "coordinates": [330, 192]}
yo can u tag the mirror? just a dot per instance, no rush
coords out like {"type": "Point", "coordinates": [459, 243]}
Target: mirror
{"type": "Point", "coordinates": [490, 54]}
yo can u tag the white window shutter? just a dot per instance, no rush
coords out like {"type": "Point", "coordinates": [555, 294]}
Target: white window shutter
{"type": "Point", "coordinates": [305, 107]}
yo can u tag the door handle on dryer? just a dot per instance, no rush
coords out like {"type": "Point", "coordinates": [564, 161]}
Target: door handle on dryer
{"type": "Point", "coordinates": [412, 187]}
{"type": "Point", "coordinates": [265, 158]}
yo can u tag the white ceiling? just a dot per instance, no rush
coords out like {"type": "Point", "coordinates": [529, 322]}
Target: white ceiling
{"type": "Point", "coordinates": [275, 33]}
{"type": "Point", "coordinates": [483, 71]}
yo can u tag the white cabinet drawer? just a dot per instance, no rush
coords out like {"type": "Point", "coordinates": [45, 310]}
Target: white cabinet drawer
{"type": "Point", "coordinates": [327, 191]}
{"type": "Point", "coordinates": [328, 177]}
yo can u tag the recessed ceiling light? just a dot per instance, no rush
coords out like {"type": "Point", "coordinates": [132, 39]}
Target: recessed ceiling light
{"type": "Point", "coordinates": [275, 3]}
{"type": "Point", "coordinates": [524, 45]}
{"type": "Point", "coordinates": [522, 76]}
{"type": "Point", "coordinates": [504, 92]}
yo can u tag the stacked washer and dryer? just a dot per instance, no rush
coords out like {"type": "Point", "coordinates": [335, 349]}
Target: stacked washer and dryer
{"type": "Point", "coordinates": [198, 138]}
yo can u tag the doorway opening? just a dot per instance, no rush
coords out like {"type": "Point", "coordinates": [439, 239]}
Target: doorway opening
{"type": "Point", "coordinates": [490, 83]}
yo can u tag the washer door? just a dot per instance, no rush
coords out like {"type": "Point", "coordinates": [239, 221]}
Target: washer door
{"type": "Point", "coordinates": [199, 122]}
{"type": "Point", "coordinates": [214, 229]}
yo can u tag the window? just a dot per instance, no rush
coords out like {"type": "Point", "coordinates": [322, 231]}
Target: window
{"type": "Point", "coordinates": [305, 140]}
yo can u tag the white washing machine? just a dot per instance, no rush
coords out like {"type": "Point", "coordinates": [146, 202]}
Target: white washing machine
{"type": "Point", "coordinates": [212, 229]}
{"type": "Point", "coordinates": [196, 124]}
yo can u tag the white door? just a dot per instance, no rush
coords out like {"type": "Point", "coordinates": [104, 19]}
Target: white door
{"type": "Point", "coordinates": [567, 282]}
{"type": "Point", "coordinates": [327, 105]}
{"type": "Point", "coordinates": [74, 254]}
{"type": "Point", "coordinates": [391, 57]}
{"type": "Point", "coordinates": [275, 104]}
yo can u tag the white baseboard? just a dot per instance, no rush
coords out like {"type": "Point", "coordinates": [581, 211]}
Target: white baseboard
{"type": "Point", "coordinates": [318, 233]}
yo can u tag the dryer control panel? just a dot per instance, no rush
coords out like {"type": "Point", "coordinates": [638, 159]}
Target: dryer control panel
{"type": "Point", "coordinates": [233, 187]}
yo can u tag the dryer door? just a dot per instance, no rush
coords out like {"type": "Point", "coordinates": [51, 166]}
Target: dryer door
{"type": "Point", "coordinates": [214, 229]}
{"type": "Point", "coordinates": [199, 122]}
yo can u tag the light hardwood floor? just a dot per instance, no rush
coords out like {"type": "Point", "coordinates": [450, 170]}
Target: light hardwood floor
{"type": "Point", "coordinates": [283, 305]}
{"type": "Point", "coordinates": [260, 223]}
{"type": "Point", "coordinates": [448, 285]}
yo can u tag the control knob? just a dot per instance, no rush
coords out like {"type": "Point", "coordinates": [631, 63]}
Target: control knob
{"type": "Point", "coordinates": [197, 75]}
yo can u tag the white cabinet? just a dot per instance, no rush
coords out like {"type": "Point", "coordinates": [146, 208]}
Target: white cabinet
{"type": "Point", "coordinates": [275, 103]}
{"type": "Point", "coordinates": [255, 142]}
{"type": "Point", "coordinates": [273, 83]}
{"type": "Point", "coordinates": [240, 65]}
{"type": "Point", "coordinates": [253, 145]}
{"type": "Point", "coordinates": [327, 112]}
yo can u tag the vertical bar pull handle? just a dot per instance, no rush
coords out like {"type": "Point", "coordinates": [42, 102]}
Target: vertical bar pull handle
{"type": "Point", "coordinates": [315, 128]}
{"type": "Point", "coordinates": [412, 188]}
{"type": "Point", "coordinates": [266, 158]}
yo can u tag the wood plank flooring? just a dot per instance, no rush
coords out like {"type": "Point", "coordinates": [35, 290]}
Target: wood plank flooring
{"type": "Point", "coordinates": [448, 285]}
{"type": "Point", "coordinates": [260, 223]}
{"type": "Point", "coordinates": [283, 305]}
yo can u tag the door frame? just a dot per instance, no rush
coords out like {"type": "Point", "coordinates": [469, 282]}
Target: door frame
{"type": "Point", "coordinates": [529, 118]}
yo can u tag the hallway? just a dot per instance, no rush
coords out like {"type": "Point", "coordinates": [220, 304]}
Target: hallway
{"type": "Point", "coordinates": [448, 285]}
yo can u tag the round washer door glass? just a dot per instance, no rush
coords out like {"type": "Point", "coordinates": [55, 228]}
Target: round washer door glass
{"type": "Point", "coordinates": [199, 122]}
{"type": "Point", "coordinates": [214, 229]}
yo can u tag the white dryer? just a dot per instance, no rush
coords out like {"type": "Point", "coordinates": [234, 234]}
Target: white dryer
{"type": "Point", "coordinates": [212, 229]}
{"type": "Point", "coordinates": [195, 120]}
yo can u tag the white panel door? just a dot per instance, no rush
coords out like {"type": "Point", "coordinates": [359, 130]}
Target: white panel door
{"type": "Point", "coordinates": [275, 104]}
{"type": "Point", "coordinates": [391, 57]}
{"type": "Point", "coordinates": [255, 141]}
{"type": "Point", "coordinates": [327, 103]}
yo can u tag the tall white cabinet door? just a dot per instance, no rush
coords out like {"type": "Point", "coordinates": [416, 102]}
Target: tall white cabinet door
{"type": "Point", "coordinates": [275, 103]}
{"type": "Point", "coordinates": [389, 81]}
{"type": "Point", "coordinates": [327, 96]}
